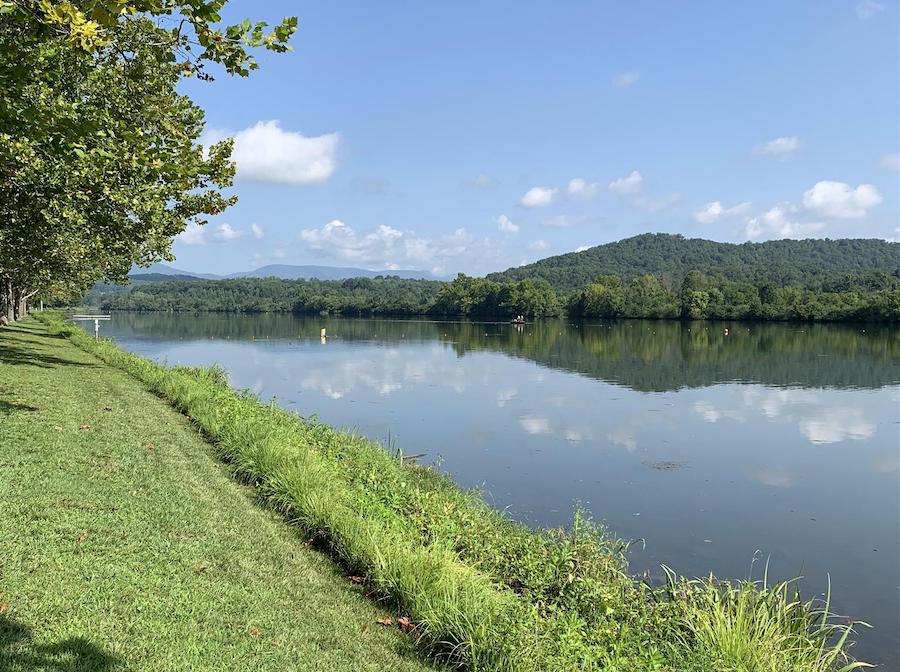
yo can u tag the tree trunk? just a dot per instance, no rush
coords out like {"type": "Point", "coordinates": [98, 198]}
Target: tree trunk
{"type": "Point", "coordinates": [17, 304]}
{"type": "Point", "coordinates": [6, 300]}
{"type": "Point", "coordinates": [23, 301]}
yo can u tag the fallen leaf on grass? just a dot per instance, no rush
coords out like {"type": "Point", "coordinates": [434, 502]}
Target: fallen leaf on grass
{"type": "Point", "coordinates": [82, 537]}
{"type": "Point", "coordinates": [406, 625]}
{"type": "Point", "coordinates": [85, 426]}
{"type": "Point", "coordinates": [4, 608]}
{"type": "Point", "coordinates": [200, 566]}
{"type": "Point", "coordinates": [387, 620]}
{"type": "Point", "coordinates": [254, 632]}
{"type": "Point", "coordinates": [356, 579]}
{"type": "Point", "coordinates": [365, 628]}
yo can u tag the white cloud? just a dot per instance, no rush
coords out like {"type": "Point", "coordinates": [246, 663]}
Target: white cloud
{"type": "Point", "coordinates": [195, 234]}
{"type": "Point", "coordinates": [709, 412]}
{"type": "Point", "coordinates": [891, 161]}
{"type": "Point", "coordinates": [539, 245]}
{"type": "Point", "coordinates": [483, 182]}
{"type": "Point", "coordinates": [840, 200]}
{"type": "Point", "coordinates": [867, 9]}
{"type": "Point", "coordinates": [386, 245]}
{"type": "Point", "coordinates": [387, 372]}
{"type": "Point", "coordinates": [834, 200]}
{"type": "Point", "coordinates": [538, 197]}
{"type": "Point", "coordinates": [629, 185]}
{"type": "Point", "coordinates": [625, 79]}
{"type": "Point", "coordinates": [535, 424]}
{"type": "Point", "coordinates": [818, 421]}
{"type": "Point", "coordinates": [225, 232]}
{"type": "Point", "coordinates": [506, 225]}
{"type": "Point", "coordinates": [778, 222]}
{"type": "Point", "coordinates": [267, 153]}
{"type": "Point", "coordinates": [631, 189]}
{"type": "Point", "coordinates": [580, 187]}
{"type": "Point", "coordinates": [578, 433]}
{"type": "Point", "coordinates": [837, 424]}
{"type": "Point", "coordinates": [342, 241]}
{"type": "Point", "coordinates": [256, 230]}
{"type": "Point", "coordinates": [505, 396]}
{"type": "Point", "coordinates": [784, 403]}
{"type": "Point", "coordinates": [712, 413]}
{"type": "Point", "coordinates": [714, 211]}
{"type": "Point", "coordinates": [625, 437]}
{"type": "Point", "coordinates": [782, 148]}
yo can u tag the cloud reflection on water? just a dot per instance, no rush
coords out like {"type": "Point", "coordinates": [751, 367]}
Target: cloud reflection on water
{"type": "Point", "coordinates": [818, 421]}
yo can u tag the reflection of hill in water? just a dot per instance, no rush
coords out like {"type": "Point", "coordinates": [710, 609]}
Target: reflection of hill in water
{"type": "Point", "coordinates": [643, 355]}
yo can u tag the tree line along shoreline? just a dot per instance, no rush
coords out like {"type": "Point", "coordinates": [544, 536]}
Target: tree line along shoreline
{"type": "Point", "coordinates": [872, 296]}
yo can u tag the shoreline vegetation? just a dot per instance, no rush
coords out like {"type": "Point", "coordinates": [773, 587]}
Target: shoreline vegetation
{"type": "Point", "coordinates": [872, 297]}
{"type": "Point", "coordinates": [126, 545]}
{"type": "Point", "coordinates": [483, 591]}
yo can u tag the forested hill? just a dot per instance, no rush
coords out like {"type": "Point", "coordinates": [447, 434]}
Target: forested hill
{"type": "Point", "coordinates": [802, 263]}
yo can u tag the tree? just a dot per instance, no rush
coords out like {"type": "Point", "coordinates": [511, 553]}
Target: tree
{"type": "Point", "coordinates": [646, 296]}
{"type": "Point", "coordinates": [98, 152]}
{"type": "Point", "coordinates": [183, 26]}
{"type": "Point", "coordinates": [603, 298]}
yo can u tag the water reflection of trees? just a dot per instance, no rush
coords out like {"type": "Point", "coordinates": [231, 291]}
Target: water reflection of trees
{"type": "Point", "coordinates": [644, 355]}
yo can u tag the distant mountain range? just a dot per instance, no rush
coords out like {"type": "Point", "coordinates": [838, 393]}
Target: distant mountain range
{"type": "Point", "coordinates": [805, 263]}
{"type": "Point", "coordinates": [160, 272]}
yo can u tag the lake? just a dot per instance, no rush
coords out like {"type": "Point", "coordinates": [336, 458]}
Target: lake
{"type": "Point", "coordinates": [776, 441]}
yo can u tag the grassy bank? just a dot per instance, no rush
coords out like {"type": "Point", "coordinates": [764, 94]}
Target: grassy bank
{"type": "Point", "coordinates": [124, 543]}
{"type": "Point", "coordinates": [481, 590]}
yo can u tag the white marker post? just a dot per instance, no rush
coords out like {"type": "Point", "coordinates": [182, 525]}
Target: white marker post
{"type": "Point", "coordinates": [96, 319]}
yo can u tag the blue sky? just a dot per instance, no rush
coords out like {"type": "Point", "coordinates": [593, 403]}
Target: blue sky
{"type": "Point", "coordinates": [474, 136]}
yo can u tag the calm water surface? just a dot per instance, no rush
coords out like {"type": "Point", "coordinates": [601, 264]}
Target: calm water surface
{"type": "Point", "coordinates": [778, 441]}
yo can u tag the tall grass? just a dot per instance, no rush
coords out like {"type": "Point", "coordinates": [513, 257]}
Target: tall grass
{"type": "Point", "coordinates": [485, 592]}
{"type": "Point", "coordinates": [749, 625]}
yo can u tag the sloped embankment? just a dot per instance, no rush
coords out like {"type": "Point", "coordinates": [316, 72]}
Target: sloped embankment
{"type": "Point", "coordinates": [481, 590]}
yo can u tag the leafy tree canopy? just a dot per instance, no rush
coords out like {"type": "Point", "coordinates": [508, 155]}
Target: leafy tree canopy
{"type": "Point", "coordinates": [99, 153]}
{"type": "Point", "coordinates": [873, 297]}
{"type": "Point", "coordinates": [186, 29]}
{"type": "Point", "coordinates": [809, 264]}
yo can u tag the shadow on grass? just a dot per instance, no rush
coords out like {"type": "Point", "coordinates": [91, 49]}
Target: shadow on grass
{"type": "Point", "coordinates": [75, 654]}
{"type": "Point", "coordinates": [8, 408]}
{"type": "Point", "coordinates": [17, 351]}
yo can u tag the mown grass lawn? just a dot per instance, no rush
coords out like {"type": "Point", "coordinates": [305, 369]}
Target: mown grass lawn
{"type": "Point", "coordinates": [125, 545]}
